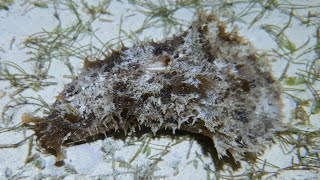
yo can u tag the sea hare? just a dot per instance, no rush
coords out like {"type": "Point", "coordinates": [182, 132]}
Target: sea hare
{"type": "Point", "coordinates": [205, 80]}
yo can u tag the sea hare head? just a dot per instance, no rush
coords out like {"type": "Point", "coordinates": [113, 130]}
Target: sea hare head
{"type": "Point", "coordinates": [50, 135]}
{"type": "Point", "coordinates": [205, 81]}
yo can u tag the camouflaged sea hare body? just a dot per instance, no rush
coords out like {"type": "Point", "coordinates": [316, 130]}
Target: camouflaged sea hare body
{"type": "Point", "coordinates": [205, 80]}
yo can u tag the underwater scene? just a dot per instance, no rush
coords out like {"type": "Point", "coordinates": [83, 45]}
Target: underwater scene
{"type": "Point", "coordinates": [159, 89]}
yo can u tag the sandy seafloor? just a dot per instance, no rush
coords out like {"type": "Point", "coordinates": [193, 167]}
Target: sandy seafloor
{"type": "Point", "coordinates": [109, 158]}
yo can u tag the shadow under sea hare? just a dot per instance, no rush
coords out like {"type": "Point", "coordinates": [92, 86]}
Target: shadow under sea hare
{"type": "Point", "coordinates": [205, 80]}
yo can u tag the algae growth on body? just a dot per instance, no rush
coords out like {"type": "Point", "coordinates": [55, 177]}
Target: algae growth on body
{"type": "Point", "coordinates": [205, 80]}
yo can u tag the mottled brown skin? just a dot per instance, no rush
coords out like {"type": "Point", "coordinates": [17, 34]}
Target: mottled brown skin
{"type": "Point", "coordinates": [60, 128]}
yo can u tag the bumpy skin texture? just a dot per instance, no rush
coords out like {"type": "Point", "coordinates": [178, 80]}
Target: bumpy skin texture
{"type": "Point", "coordinates": [205, 81]}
